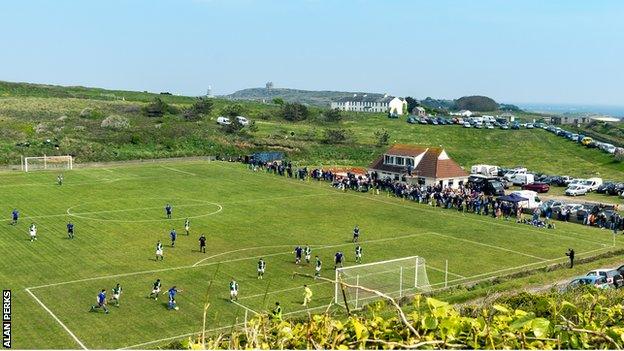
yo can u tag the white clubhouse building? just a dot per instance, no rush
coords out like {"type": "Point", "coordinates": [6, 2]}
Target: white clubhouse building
{"type": "Point", "coordinates": [365, 103]}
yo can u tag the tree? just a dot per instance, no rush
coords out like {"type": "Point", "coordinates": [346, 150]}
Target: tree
{"type": "Point", "coordinates": [156, 108]}
{"type": "Point", "coordinates": [278, 101]}
{"type": "Point", "coordinates": [200, 108]}
{"type": "Point", "coordinates": [382, 137]}
{"type": "Point", "coordinates": [232, 110]}
{"type": "Point", "coordinates": [475, 103]}
{"type": "Point", "coordinates": [233, 127]}
{"type": "Point", "coordinates": [333, 115]}
{"type": "Point", "coordinates": [294, 112]}
{"type": "Point", "coordinates": [411, 103]}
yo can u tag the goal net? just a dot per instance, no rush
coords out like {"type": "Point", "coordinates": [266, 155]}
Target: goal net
{"type": "Point", "coordinates": [396, 278]}
{"type": "Point", "coordinates": [48, 163]}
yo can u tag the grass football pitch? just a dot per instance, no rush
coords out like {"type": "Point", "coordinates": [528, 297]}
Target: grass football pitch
{"type": "Point", "coordinates": [118, 212]}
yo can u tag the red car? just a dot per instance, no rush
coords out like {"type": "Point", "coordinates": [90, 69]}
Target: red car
{"type": "Point", "coordinates": [538, 187]}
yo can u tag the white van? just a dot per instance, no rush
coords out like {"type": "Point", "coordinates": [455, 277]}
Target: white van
{"type": "Point", "coordinates": [513, 172]}
{"type": "Point", "coordinates": [487, 170]}
{"type": "Point", "coordinates": [533, 200]}
{"type": "Point", "coordinates": [224, 121]}
{"type": "Point", "coordinates": [592, 184]}
{"type": "Point", "coordinates": [522, 179]}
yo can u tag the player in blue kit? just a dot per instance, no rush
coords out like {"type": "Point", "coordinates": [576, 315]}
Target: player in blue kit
{"type": "Point", "coordinates": [298, 251]}
{"type": "Point", "coordinates": [15, 216]}
{"type": "Point", "coordinates": [338, 257]}
{"type": "Point", "coordinates": [172, 294]}
{"type": "Point", "coordinates": [70, 230]}
{"type": "Point", "coordinates": [101, 302]}
{"type": "Point", "coordinates": [168, 211]}
{"type": "Point", "coordinates": [173, 235]}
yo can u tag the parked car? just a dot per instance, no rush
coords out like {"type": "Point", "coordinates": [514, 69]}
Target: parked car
{"type": "Point", "coordinates": [489, 126]}
{"type": "Point", "coordinates": [522, 179]}
{"type": "Point", "coordinates": [504, 126]}
{"type": "Point", "coordinates": [603, 188]}
{"type": "Point", "coordinates": [597, 281]}
{"type": "Point", "coordinates": [515, 126]}
{"type": "Point", "coordinates": [586, 141]}
{"type": "Point", "coordinates": [412, 120]}
{"type": "Point", "coordinates": [478, 125]}
{"type": "Point", "coordinates": [467, 125]}
{"type": "Point", "coordinates": [224, 121]}
{"type": "Point", "coordinates": [242, 120]}
{"type": "Point", "coordinates": [592, 184]}
{"type": "Point", "coordinates": [422, 120]}
{"type": "Point", "coordinates": [576, 190]}
{"type": "Point", "coordinates": [617, 189]}
{"type": "Point", "coordinates": [529, 126]}
{"type": "Point", "coordinates": [537, 187]}
{"type": "Point", "coordinates": [612, 276]}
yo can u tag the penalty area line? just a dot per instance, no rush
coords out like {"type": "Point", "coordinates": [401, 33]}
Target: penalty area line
{"type": "Point", "coordinates": [178, 170]}
{"type": "Point", "coordinates": [244, 307]}
{"type": "Point", "coordinates": [57, 320]}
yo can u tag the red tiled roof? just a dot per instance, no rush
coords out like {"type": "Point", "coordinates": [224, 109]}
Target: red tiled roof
{"type": "Point", "coordinates": [429, 166]}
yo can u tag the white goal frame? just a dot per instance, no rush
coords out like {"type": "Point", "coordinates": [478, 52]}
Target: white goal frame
{"type": "Point", "coordinates": [48, 161]}
{"type": "Point", "coordinates": [404, 281]}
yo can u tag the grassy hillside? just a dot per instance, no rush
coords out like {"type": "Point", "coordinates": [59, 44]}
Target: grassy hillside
{"type": "Point", "coordinates": [320, 98]}
{"type": "Point", "coordinates": [70, 118]}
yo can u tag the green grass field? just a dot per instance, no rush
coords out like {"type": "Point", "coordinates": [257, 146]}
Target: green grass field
{"type": "Point", "coordinates": [119, 216]}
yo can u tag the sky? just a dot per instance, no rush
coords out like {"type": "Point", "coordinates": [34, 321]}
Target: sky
{"type": "Point", "coordinates": [555, 51]}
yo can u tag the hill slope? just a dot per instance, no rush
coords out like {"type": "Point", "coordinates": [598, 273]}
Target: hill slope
{"type": "Point", "coordinates": [321, 98]}
{"type": "Point", "coordinates": [37, 120]}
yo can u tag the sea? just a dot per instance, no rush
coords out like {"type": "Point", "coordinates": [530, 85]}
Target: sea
{"type": "Point", "coordinates": [606, 110]}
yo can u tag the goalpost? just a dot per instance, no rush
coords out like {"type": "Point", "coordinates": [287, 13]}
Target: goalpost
{"type": "Point", "coordinates": [395, 278]}
{"type": "Point", "coordinates": [47, 163]}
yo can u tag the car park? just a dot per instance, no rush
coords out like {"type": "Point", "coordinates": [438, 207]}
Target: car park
{"type": "Point", "coordinates": [612, 276]}
{"type": "Point", "coordinates": [537, 187]}
{"type": "Point", "coordinates": [576, 190]}
{"type": "Point", "coordinates": [617, 189]}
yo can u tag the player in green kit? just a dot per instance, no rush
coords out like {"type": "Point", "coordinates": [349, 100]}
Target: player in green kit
{"type": "Point", "coordinates": [116, 294]}
{"type": "Point", "coordinates": [307, 252]}
{"type": "Point", "coordinates": [261, 268]}
{"type": "Point", "coordinates": [187, 226]}
{"type": "Point", "coordinates": [358, 254]}
{"type": "Point", "coordinates": [233, 290]}
{"type": "Point", "coordinates": [317, 267]}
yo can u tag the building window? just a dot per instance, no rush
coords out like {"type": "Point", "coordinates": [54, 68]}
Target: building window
{"type": "Point", "coordinates": [388, 159]}
{"type": "Point", "coordinates": [409, 162]}
{"type": "Point", "coordinates": [421, 181]}
{"type": "Point", "coordinates": [450, 182]}
{"type": "Point", "coordinates": [399, 161]}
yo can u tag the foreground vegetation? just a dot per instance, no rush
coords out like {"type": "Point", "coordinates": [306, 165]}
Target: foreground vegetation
{"type": "Point", "coordinates": [581, 319]}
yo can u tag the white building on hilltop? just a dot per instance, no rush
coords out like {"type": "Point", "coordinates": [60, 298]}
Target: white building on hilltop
{"type": "Point", "coordinates": [365, 103]}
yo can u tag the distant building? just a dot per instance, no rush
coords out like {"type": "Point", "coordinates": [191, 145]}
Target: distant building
{"type": "Point", "coordinates": [365, 103]}
{"type": "Point", "coordinates": [570, 119]}
{"type": "Point", "coordinates": [605, 119]}
{"type": "Point", "coordinates": [428, 166]}
{"type": "Point", "coordinates": [419, 111]}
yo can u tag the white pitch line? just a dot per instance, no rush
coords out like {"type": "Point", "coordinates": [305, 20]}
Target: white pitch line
{"type": "Point", "coordinates": [244, 307]}
{"type": "Point", "coordinates": [58, 320]}
{"type": "Point", "coordinates": [178, 170]}
{"type": "Point", "coordinates": [488, 245]}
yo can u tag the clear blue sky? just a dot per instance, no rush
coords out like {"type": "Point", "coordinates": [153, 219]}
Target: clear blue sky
{"type": "Point", "coordinates": [560, 51]}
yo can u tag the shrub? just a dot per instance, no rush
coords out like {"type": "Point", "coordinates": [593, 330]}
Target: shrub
{"type": "Point", "coordinates": [199, 109]}
{"type": "Point", "coordinates": [157, 108]}
{"type": "Point", "coordinates": [335, 136]}
{"type": "Point", "coordinates": [332, 115]}
{"type": "Point", "coordinates": [41, 128]}
{"type": "Point", "coordinates": [115, 122]}
{"type": "Point", "coordinates": [232, 110]}
{"type": "Point", "coordinates": [294, 112]}
{"type": "Point", "coordinates": [278, 101]}
{"type": "Point", "coordinates": [382, 137]}
{"type": "Point", "coordinates": [90, 113]}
